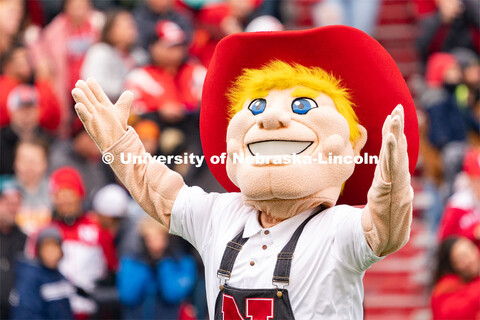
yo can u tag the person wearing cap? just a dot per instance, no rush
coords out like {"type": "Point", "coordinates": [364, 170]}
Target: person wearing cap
{"type": "Point", "coordinates": [17, 71]}
{"type": "Point", "coordinates": [447, 128]}
{"type": "Point", "coordinates": [287, 241]}
{"type": "Point", "coordinates": [12, 239]}
{"type": "Point", "coordinates": [467, 93]}
{"type": "Point", "coordinates": [23, 126]}
{"type": "Point", "coordinates": [110, 206]}
{"type": "Point", "coordinates": [41, 291]}
{"type": "Point", "coordinates": [172, 85]}
{"type": "Point", "coordinates": [88, 250]}
{"type": "Point", "coordinates": [149, 12]}
{"type": "Point", "coordinates": [81, 153]}
{"type": "Point", "coordinates": [462, 212]}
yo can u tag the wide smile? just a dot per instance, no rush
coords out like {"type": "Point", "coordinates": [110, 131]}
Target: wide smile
{"type": "Point", "coordinates": [278, 147]}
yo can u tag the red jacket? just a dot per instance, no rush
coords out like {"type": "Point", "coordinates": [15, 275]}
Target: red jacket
{"type": "Point", "coordinates": [454, 299]}
{"type": "Point", "coordinates": [154, 87]}
{"type": "Point", "coordinates": [461, 217]}
{"type": "Point", "coordinates": [87, 236]}
{"type": "Point", "coordinates": [49, 108]}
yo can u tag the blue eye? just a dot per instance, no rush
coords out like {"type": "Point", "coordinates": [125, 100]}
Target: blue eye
{"type": "Point", "coordinates": [303, 105]}
{"type": "Point", "coordinates": [257, 106]}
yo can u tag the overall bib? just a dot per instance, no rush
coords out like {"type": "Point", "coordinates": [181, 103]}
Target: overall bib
{"type": "Point", "coordinates": [257, 304]}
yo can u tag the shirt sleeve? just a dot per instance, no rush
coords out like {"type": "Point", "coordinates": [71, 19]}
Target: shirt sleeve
{"type": "Point", "coordinates": [191, 216]}
{"type": "Point", "coordinates": [350, 243]}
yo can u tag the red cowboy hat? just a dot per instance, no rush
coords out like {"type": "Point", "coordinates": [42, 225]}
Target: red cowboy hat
{"type": "Point", "coordinates": [367, 70]}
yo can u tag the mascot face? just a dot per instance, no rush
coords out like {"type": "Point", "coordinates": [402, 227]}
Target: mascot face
{"type": "Point", "coordinates": [294, 125]}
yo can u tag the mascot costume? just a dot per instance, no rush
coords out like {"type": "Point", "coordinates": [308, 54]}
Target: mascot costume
{"type": "Point", "coordinates": [291, 239]}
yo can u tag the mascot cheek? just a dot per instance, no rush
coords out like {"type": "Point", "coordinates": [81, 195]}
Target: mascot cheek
{"type": "Point", "coordinates": [333, 145]}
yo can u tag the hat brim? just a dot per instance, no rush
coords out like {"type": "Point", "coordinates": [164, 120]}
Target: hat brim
{"type": "Point", "coordinates": [366, 69]}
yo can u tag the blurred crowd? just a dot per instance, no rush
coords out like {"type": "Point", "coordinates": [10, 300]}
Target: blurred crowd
{"type": "Point", "coordinates": [74, 244]}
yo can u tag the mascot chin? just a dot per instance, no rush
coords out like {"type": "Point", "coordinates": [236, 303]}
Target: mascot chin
{"type": "Point", "coordinates": [319, 135]}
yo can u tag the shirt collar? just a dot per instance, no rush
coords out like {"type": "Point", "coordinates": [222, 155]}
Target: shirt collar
{"type": "Point", "coordinates": [252, 226]}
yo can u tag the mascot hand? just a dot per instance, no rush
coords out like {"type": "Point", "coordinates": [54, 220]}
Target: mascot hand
{"type": "Point", "coordinates": [393, 162]}
{"type": "Point", "coordinates": [105, 122]}
{"type": "Point", "coordinates": [387, 216]}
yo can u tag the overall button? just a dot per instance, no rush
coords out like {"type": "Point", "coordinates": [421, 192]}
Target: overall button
{"type": "Point", "coordinates": [264, 247]}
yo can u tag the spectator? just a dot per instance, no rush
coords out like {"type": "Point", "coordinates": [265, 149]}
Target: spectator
{"type": "Point", "coordinates": [110, 206]}
{"type": "Point", "coordinates": [150, 12]}
{"type": "Point", "coordinates": [82, 153]}
{"type": "Point", "coordinates": [462, 213]}
{"type": "Point", "coordinates": [447, 130]}
{"type": "Point", "coordinates": [154, 282]}
{"type": "Point", "coordinates": [41, 291]}
{"type": "Point", "coordinates": [17, 70]}
{"type": "Point", "coordinates": [468, 93]}
{"type": "Point", "coordinates": [30, 173]}
{"type": "Point", "coordinates": [456, 292]}
{"type": "Point", "coordinates": [470, 65]}
{"type": "Point", "coordinates": [172, 84]}
{"type": "Point", "coordinates": [12, 240]}
{"type": "Point", "coordinates": [110, 60]}
{"type": "Point", "coordinates": [23, 106]}
{"type": "Point", "coordinates": [88, 250]}
{"type": "Point", "coordinates": [65, 43]}
{"type": "Point", "coordinates": [456, 23]}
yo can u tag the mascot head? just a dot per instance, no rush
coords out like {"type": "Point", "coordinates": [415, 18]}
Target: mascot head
{"type": "Point", "coordinates": [285, 104]}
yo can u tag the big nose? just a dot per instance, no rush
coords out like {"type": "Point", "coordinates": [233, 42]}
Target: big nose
{"type": "Point", "coordinates": [273, 119]}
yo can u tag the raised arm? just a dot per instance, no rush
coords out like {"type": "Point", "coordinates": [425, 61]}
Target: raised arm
{"type": "Point", "coordinates": [150, 183]}
{"type": "Point", "coordinates": [387, 217]}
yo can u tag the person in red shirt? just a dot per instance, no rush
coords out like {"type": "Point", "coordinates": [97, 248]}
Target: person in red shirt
{"type": "Point", "coordinates": [89, 252]}
{"type": "Point", "coordinates": [462, 213]}
{"type": "Point", "coordinates": [456, 292]}
{"type": "Point", "coordinates": [172, 84]}
{"type": "Point", "coordinates": [17, 70]}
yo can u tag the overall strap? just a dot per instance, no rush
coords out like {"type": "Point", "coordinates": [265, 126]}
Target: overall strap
{"type": "Point", "coordinates": [281, 274]}
{"type": "Point", "coordinates": [230, 254]}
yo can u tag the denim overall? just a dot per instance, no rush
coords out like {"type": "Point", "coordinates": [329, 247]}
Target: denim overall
{"type": "Point", "coordinates": [238, 304]}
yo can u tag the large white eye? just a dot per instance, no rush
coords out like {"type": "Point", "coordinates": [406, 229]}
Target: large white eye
{"type": "Point", "coordinates": [257, 106]}
{"type": "Point", "coordinates": [303, 105]}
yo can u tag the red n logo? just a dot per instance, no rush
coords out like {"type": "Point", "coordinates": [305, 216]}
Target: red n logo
{"type": "Point", "coordinates": [255, 308]}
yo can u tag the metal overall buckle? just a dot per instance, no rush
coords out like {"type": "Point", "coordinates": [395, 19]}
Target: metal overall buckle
{"type": "Point", "coordinates": [280, 285]}
{"type": "Point", "coordinates": [223, 276]}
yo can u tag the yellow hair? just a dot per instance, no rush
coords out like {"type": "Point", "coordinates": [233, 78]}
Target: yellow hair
{"type": "Point", "coordinates": [256, 83]}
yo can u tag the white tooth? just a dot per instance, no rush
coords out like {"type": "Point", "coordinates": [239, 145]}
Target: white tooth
{"type": "Point", "coordinates": [273, 148]}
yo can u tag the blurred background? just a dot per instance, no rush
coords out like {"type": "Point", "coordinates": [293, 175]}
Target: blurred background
{"type": "Point", "coordinates": [74, 244]}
